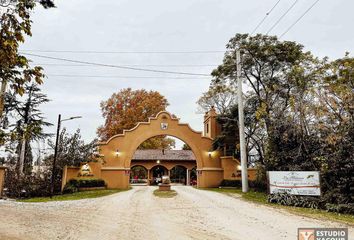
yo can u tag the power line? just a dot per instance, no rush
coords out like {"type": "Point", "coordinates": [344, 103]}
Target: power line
{"type": "Point", "coordinates": [129, 65]}
{"type": "Point", "coordinates": [112, 76]}
{"type": "Point", "coordinates": [297, 20]}
{"type": "Point", "coordinates": [265, 17]}
{"type": "Point", "coordinates": [115, 66]}
{"type": "Point", "coordinates": [282, 16]}
{"type": "Point", "coordinates": [122, 52]}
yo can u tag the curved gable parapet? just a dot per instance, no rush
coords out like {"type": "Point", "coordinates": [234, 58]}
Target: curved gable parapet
{"type": "Point", "coordinates": [165, 115]}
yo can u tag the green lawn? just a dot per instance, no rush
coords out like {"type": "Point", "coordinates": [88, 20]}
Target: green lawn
{"type": "Point", "coordinates": [165, 194]}
{"type": "Point", "coordinates": [261, 198]}
{"type": "Point", "coordinates": [74, 196]}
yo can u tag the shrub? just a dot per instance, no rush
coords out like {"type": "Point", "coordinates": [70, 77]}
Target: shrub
{"type": "Point", "coordinates": [86, 182]}
{"type": "Point", "coordinates": [69, 188]}
{"type": "Point", "coordinates": [231, 183]}
{"type": "Point", "coordinates": [256, 185]}
{"type": "Point", "coordinates": [24, 186]}
{"type": "Point", "coordinates": [293, 200]}
{"type": "Point", "coordinates": [340, 208]}
{"type": "Point", "coordinates": [74, 184]}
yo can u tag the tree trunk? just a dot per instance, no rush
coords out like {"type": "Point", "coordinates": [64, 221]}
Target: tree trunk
{"type": "Point", "coordinates": [22, 155]}
{"type": "Point", "coordinates": [2, 97]}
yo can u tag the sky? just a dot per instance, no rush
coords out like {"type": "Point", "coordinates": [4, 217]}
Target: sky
{"type": "Point", "coordinates": [153, 28]}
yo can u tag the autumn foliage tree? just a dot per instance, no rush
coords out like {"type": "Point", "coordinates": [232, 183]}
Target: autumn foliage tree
{"type": "Point", "coordinates": [124, 109]}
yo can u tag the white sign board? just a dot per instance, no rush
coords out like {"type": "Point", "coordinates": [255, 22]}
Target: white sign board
{"type": "Point", "coordinates": [295, 182]}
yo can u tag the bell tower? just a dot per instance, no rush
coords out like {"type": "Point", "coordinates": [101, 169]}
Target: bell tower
{"type": "Point", "coordinates": [211, 127]}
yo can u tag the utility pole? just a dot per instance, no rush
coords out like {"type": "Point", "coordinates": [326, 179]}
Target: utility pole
{"type": "Point", "coordinates": [56, 151]}
{"type": "Point", "coordinates": [244, 174]}
{"type": "Point", "coordinates": [55, 157]}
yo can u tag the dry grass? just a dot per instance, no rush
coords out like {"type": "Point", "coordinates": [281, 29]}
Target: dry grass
{"type": "Point", "coordinates": [165, 194]}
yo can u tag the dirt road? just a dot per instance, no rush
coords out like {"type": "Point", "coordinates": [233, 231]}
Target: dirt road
{"type": "Point", "coordinates": [138, 214]}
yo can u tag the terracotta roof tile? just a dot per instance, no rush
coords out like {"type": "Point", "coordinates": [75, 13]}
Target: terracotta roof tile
{"type": "Point", "coordinates": [157, 154]}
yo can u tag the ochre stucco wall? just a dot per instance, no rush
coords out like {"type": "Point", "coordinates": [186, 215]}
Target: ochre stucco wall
{"type": "Point", "coordinates": [231, 171]}
{"type": "Point", "coordinates": [2, 179]}
{"type": "Point", "coordinates": [115, 168]}
{"type": "Point", "coordinates": [69, 173]}
{"type": "Point", "coordinates": [115, 178]}
{"type": "Point", "coordinates": [130, 140]}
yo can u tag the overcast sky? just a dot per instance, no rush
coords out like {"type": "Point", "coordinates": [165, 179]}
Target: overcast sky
{"type": "Point", "coordinates": [161, 25]}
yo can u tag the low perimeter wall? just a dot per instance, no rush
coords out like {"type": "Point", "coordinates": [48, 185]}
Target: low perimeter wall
{"type": "Point", "coordinates": [230, 166]}
{"type": "Point", "coordinates": [118, 177]}
{"type": "Point", "coordinates": [2, 179]}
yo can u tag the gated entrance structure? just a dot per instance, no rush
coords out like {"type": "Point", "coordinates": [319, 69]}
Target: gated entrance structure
{"type": "Point", "coordinates": [148, 166]}
{"type": "Point", "coordinates": [117, 152]}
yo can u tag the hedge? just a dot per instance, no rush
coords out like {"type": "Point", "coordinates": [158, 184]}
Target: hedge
{"type": "Point", "coordinates": [256, 185]}
{"type": "Point", "coordinates": [74, 184]}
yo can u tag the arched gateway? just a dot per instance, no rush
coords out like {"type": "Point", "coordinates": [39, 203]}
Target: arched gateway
{"type": "Point", "coordinates": [116, 153]}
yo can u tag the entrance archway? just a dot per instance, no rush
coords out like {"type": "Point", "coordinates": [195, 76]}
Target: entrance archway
{"type": "Point", "coordinates": [193, 176]}
{"type": "Point", "coordinates": [118, 151]}
{"type": "Point", "coordinates": [157, 172]}
{"type": "Point", "coordinates": [138, 174]}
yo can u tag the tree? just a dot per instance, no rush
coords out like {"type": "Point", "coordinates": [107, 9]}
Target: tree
{"type": "Point", "coordinates": [186, 147]}
{"type": "Point", "coordinates": [72, 151]}
{"type": "Point", "coordinates": [335, 126]}
{"type": "Point", "coordinates": [220, 95]}
{"type": "Point", "coordinates": [159, 142]}
{"type": "Point", "coordinates": [271, 69]}
{"type": "Point", "coordinates": [228, 140]}
{"type": "Point", "coordinates": [29, 124]}
{"type": "Point", "coordinates": [15, 70]}
{"type": "Point", "coordinates": [126, 108]}
{"type": "Point", "coordinates": [299, 111]}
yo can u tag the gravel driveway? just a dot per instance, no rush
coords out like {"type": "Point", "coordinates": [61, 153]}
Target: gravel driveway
{"type": "Point", "coordinates": [138, 214]}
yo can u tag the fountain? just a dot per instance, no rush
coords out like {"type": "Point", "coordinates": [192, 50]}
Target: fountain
{"type": "Point", "coordinates": [166, 184]}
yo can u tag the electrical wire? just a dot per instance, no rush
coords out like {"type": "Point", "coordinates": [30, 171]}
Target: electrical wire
{"type": "Point", "coordinates": [129, 65]}
{"type": "Point", "coordinates": [282, 16]}
{"type": "Point", "coordinates": [265, 17]}
{"type": "Point", "coordinates": [112, 76]}
{"type": "Point", "coordinates": [115, 66]}
{"type": "Point", "coordinates": [297, 20]}
{"type": "Point", "coordinates": [122, 52]}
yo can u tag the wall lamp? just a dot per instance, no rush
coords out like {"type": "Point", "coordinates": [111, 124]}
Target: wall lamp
{"type": "Point", "coordinates": [239, 168]}
{"type": "Point", "coordinates": [209, 153]}
{"type": "Point", "coordinates": [117, 153]}
{"type": "Point", "coordinates": [158, 161]}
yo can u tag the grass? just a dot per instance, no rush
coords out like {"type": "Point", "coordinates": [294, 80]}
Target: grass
{"type": "Point", "coordinates": [261, 198]}
{"type": "Point", "coordinates": [165, 194]}
{"type": "Point", "coordinates": [74, 196]}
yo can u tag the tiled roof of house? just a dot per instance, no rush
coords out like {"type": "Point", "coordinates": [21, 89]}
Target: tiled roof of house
{"type": "Point", "coordinates": [158, 154]}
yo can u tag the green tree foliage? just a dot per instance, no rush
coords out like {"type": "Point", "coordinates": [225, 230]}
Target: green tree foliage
{"type": "Point", "coordinates": [72, 151]}
{"type": "Point", "coordinates": [298, 110]}
{"type": "Point", "coordinates": [15, 69]}
{"type": "Point", "coordinates": [186, 147]}
{"type": "Point", "coordinates": [220, 95]}
{"type": "Point", "coordinates": [159, 142]}
{"type": "Point", "coordinates": [28, 123]}
{"type": "Point", "coordinates": [335, 113]}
